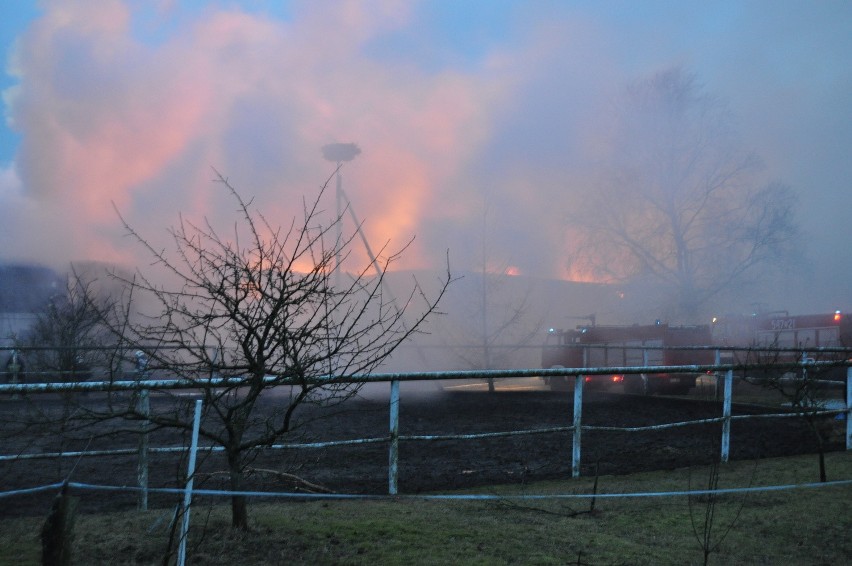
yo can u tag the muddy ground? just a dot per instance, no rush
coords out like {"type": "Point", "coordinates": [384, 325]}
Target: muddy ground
{"type": "Point", "coordinates": [423, 465]}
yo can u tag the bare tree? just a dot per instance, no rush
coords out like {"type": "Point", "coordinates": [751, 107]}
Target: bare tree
{"type": "Point", "coordinates": [68, 336]}
{"type": "Point", "coordinates": [804, 391]}
{"type": "Point", "coordinates": [69, 341]}
{"type": "Point", "coordinates": [493, 322]}
{"type": "Point", "coordinates": [679, 206]}
{"type": "Point", "coordinates": [705, 511]}
{"type": "Point", "coordinates": [263, 305]}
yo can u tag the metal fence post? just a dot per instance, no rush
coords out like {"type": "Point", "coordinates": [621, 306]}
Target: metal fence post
{"type": "Point", "coordinates": [849, 408]}
{"type": "Point", "coordinates": [578, 417]}
{"type": "Point", "coordinates": [190, 475]}
{"type": "Point", "coordinates": [726, 415]}
{"type": "Point", "coordinates": [393, 452]}
{"type": "Point", "coordinates": [717, 361]}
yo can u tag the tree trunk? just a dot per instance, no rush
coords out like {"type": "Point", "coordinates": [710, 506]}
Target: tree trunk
{"type": "Point", "coordinates": [823, 476]}
{"type": "Point", "coordinates": [239, 510]}
{"type": "Point", "coordinates": [57, 533]}
{"type": "Point", "coordinates": [814, 426]}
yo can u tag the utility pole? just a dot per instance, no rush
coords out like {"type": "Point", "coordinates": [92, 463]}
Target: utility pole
{"type": "Point", "coordinates": [339, 153]}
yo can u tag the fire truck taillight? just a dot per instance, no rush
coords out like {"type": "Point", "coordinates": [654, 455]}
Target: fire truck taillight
{"type": "Point", "coordinates": [836, 316]}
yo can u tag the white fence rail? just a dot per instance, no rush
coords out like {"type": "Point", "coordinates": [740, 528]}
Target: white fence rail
{"type": "Point", "coordinates": [723, 372]}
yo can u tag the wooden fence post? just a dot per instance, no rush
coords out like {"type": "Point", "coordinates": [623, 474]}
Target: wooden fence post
{"type": "Point", "coordinates": [144, 408]}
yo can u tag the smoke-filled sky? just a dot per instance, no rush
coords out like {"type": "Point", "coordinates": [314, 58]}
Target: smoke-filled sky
{"type": "Point", "coordinates": [458, 108]}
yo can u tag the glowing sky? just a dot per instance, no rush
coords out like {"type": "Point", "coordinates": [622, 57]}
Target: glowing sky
{"type": "Point", "coordinates": [457, 107]}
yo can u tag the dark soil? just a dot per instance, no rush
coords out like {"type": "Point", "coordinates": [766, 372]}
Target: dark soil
{"type": "Point", "coordinates": [423, 465]}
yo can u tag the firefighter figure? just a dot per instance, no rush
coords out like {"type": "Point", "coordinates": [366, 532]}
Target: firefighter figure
{"type": "Point", "coordinates": [14, 368]}
{"type": "Point", "coordinates": [141, 364]}
{"type": "Point", "coordinates": [140, 397]}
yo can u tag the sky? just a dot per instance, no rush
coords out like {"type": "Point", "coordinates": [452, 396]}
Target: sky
{"type": "Point", "coordinates": [477, 120]}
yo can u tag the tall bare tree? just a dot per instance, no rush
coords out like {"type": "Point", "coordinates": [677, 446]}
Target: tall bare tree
{"type": "Point", "coordinates": [263, 304]}
{"type": "Point", "coordinates": [493, 321]}
{"type": "Point", "coordinates": [680, 205]}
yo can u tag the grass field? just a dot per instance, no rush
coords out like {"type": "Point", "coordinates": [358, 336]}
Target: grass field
{"type": "Point", "coordinates": [800, 526]}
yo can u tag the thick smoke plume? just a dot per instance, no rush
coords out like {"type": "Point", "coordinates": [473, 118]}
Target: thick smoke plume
{"type": "Point", "coordinates": [129, 105]}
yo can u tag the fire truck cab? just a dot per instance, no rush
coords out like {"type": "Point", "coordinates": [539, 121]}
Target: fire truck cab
{"type": "Point", "coordinates": [628, 346]}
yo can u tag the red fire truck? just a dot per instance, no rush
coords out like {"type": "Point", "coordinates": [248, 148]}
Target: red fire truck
{"type": "Point", "coordinates": [625, 346]}
{"type": "Point", "coordinates": [794, 336]}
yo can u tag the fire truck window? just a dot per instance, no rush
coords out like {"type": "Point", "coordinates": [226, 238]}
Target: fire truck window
{"type": "Point", "coordinates": [829, 337]}
{"type": "Point", "coordinates": [787, 339]}
{"type": "Point", "coordinates": [597, 357]}
{"type": "Point", "coordinates": [806, 338]}
{"type": "Point", "coordinates": [776, 339]}
{"type": "Point", "coordinates": [633, 357]}
{"type": "Point", "coordinates": [655, 357]}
